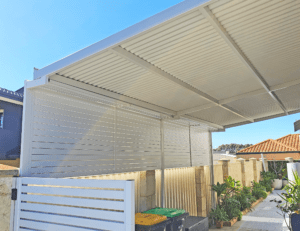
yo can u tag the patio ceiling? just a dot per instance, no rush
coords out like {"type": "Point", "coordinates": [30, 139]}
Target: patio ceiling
{"type": "Point", "coordinates": [224, 63]}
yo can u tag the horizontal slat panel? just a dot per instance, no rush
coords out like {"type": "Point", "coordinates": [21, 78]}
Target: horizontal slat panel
{"type": "Point", "coordinates": [108, 194]}
{"type": "Point", "coordinates": [35, 225]}
{"type": "Point", "coordinates": [72, 221]}
{"type": "Point", "coordinates": [76, 168]}
{"type": "Point", "coordinates": [70, 151]}
{"type": "Point", "coordinates": [100, 163]}
{"type": "Point", "coordinates": [100, 204]}
{"type": "Point", "coordinates": [107, 215]}
{"type": "Point", "coordinates": [55, 122]}
{"type": "Point", "coordinates": [118, 184]}
{"type": "Point", "coordinates": [103, 130]}
{"type": "Point", "coordinates": [73, 116]}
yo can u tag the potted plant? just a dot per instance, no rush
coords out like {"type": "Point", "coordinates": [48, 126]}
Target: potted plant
{"type": "Point", "coordinates": [290, 203]}
{"type": "Point", "coordinates": [219, 215]}
{"type": "Point", "coordinates": [277, 167]}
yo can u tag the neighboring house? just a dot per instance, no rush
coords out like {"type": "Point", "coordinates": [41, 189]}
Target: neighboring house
{"type": "Point", "coordinates": [11, 107]}
{"type": "Point", "coordinates": [287, 146]}
{"type": "Point", "coordinates": [218, 155]}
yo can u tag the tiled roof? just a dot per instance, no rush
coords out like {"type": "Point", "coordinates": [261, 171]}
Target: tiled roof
{"type": "Point", "coordinates": [291, 140]}
{"type": "Point", "coordinates": [279, 145]}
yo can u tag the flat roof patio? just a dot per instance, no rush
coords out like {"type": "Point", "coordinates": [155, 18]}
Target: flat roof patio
{"type": "Point", "coordinates": [224, 63]}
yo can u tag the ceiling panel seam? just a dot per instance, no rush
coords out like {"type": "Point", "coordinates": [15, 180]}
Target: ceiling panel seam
{"type": "Point", "coordinates": [238, 97]}
{"type": "Point", "coordinates": [235, 48]}
{"type": "Point", "coordinates": [152, 68]}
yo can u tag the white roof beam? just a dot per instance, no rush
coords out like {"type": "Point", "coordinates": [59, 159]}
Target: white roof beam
{"type": "Point", "coordinates": [238, 97]}
{"type": "Point", "coordinates": [155, 70]}
{"type": "Point", "coordinates": [235, 48]}
{"type": "Point", "coordinates": [126, 99]}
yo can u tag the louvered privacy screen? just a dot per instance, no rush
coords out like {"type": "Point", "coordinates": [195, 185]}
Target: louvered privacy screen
{"type": "Point", "coordinates": [71, 135]}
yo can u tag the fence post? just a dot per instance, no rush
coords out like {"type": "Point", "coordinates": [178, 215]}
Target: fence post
{"type": "Point", "coordinates": [254, 168]}
{"type": "Point", "coordinates": [147, 190]}
{"type": "Point", "coordinates": [242, 161]}
{"type": "Point", "coordinates": [200, 191]}
{"type": "Point", "coordinates": [264, 160]}
{"type": "Point", "coordinates": [129, 205]}
{"type": "Point", "coordinates": [225, 168]}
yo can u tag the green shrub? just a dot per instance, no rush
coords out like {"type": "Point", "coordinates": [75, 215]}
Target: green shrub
{"type": "Point", "coordinates": [219, 214]}
{"type": "Point", "coordinates": [232, 207]}
{"type": "Point", "coordinates": [267, 180]}
{"type": "Point", "coordinates": [259, 190]}
{"type": "Point", "coordinates": [240, 216]}
{"type": "Point", "coordinates": [245, 198]}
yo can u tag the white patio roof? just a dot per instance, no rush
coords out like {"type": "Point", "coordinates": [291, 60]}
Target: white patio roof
{"type": "Point", "coordinates": [224, 62]}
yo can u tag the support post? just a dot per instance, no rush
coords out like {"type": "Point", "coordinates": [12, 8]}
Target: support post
{"type": "Point", "coordinates": [242, 161]}
{"type": "Point", "coordinates": [200, 191]}
{"type": "Point", "coordinates": [212, 180]}
{"type": "Point", "coordinates": [147, 190]}
{"type": "Point", "coordinates": [254, 168]}
{"type": "Point", "coordinates": [129, 205]}
{"type": "Point", "coordinates": [265, 163]}
{"type": "Point", "coordinates": [262, 159]}
{"type": "Point", "coordinates": [162, 193]}
{"type": "Point", "coordinates": [225, 168]}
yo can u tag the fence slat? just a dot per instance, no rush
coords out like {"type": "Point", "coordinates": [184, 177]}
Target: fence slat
{"type": "Point", "coordinates": [108, 194]}
{"type": "Point", "coordinates": [99, 214]}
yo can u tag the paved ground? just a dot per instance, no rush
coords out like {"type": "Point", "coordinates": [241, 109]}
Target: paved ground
{"type": "Point", "coordinates": [264, 217]}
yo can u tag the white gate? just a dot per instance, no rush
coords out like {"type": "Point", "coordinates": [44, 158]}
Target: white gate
{"type": "Point", "coordinates": [72, 204]}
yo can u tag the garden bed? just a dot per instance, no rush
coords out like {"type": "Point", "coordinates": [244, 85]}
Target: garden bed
{"type": "Point", "coordinates": [254, 204]}
{"type": "Point", "coordinates": [235, 200]}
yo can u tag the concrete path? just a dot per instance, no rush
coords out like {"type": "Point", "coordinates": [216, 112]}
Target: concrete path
{"type": "Point", "coordinates": [264, 217]}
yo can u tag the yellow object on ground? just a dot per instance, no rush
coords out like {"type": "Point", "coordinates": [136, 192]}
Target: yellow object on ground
{"type": "Point", "coordinates": [148, 219]}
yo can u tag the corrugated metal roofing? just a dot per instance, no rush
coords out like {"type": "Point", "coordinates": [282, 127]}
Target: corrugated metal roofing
{"type": "Point", "coordinates": [225, 62]}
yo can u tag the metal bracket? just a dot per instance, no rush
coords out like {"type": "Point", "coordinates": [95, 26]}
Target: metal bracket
{"type": "Point", "coordinates": [14, 192]}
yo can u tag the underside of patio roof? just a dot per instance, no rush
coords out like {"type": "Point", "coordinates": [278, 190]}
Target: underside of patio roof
{"type": "Point", "coordinates": [224, 63]}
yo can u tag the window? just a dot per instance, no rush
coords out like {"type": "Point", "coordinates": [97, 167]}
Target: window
{"type": "Point", "coordinates": [1, 118]}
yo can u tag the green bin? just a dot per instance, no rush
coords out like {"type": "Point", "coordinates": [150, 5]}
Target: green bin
{"type": "Point", "coordinates": [177, 216]}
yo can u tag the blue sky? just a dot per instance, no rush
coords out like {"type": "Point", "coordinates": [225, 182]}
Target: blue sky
{"type": "Point", "coordinates": [38, 33]}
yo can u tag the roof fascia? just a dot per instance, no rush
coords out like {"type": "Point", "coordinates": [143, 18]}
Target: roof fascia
{"type": "Point", "coordinates": [11, 100]}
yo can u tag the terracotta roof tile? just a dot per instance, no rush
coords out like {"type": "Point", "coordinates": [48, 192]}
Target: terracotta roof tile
{"type": "Point", "coordinates": [268, 146]}
{"type": "Point", "coordinates": [291, 140]}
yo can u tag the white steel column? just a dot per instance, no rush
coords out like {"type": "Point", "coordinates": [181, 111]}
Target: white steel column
{"type": "Point", "coordinates": [213, 200]}
{"type": "Point", "coordinates": [162, 181]}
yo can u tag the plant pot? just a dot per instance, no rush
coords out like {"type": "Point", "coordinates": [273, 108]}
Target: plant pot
{"type": "Point", "coordinates": [219, 224]}
{"type": "Point", "coordinates": [231, 222]}
{"type": "Point", "coordinates": [284, 182]}
{"type": "Point", "coordinates": [295, 221]}
{"type": "Point", "coordinates": [277, 184]}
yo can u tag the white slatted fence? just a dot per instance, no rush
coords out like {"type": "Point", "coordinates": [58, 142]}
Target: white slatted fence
{"type": "Point", "coordinates": [74, 204]}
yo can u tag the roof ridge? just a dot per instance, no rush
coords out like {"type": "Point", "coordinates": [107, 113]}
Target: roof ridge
{"type": "Point", "coordinates": [285, 145]}
{"type": "Point", "coordinates": [255, 145]}
{"type": "Point", "coordinates": [11, 92]}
